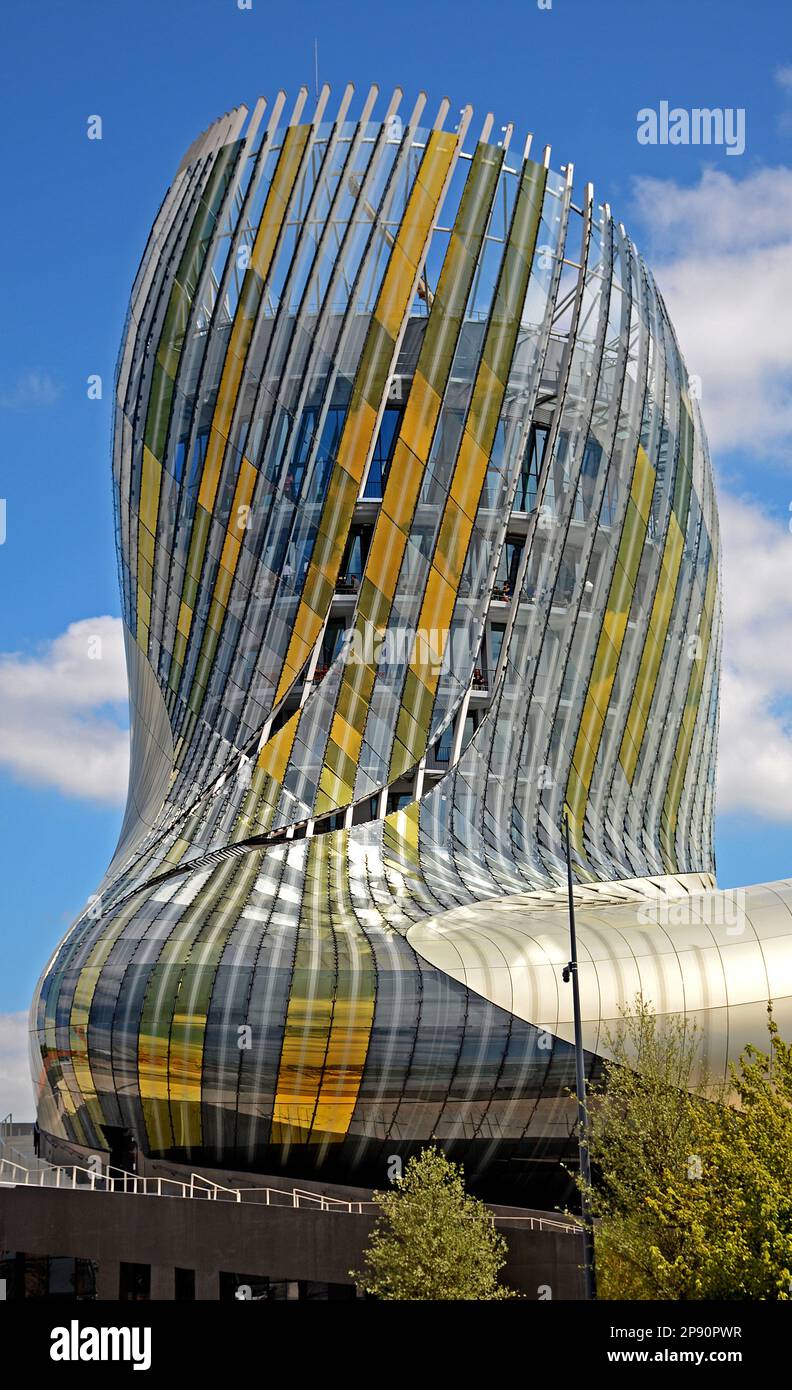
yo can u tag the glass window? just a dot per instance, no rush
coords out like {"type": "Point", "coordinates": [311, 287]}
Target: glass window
{"type": "Point", "coordinates": [328, 450]}
{"type": "Point", "coordinates": [443, 750]}
{"type": "Point", "coordinates": [383, 453]}
{"type": "Point", "coordinates": [61, 1277]}
{"type": "Point", "coordinates": [355, 556]}
{"type": "Point", "coordinates": [12, 1274]}
{"type": "Point", "coordinates": [311, 1289]}
{"type": "Point", "coordinates": [332, 637]}
{"type": "Point", "coordinates": [471, 724]}
{"type": "Point", "coordinates": [243, 1287]}
{"type": "Point", "coordinates": [178, 459]}
{"type": "Point", "coordinates": [525, 496]}
{"type": "Point", "coordinates": [496, 636]}
{"type": "Point", "coordinates": [199, 454]}
{"type": "Point", "coordinates": [302, 450]}
{"type": "Point", "coordinates": [508, 568]}
{"type": "Point", "coordinates": [587, 487]}
{"type": "Point", "coordinates": [36, 1276]}
{"type": "Point", "coordinates": [85, 1278]}
{"type": "Point", "coordinates": [42, 1276]}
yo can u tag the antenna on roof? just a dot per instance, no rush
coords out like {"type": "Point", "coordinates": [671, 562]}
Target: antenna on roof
{"type": "Point", "coordinates": [316, 67]}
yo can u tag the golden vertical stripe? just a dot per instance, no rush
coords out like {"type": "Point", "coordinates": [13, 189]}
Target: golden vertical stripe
{"type": "Point", "coordinates": [264, 246]}
{"type": "Point", "coordinates": [357, 438]}
{"type": "Point", "coordinates": [405, 477]}
{"type": "Point", "coordinates": [82, 999]}
{"type": "Point", "coordinates": [470, 468]}
{"type": "Point", "coordinates": [353, 1010]}
{"type": "Point", "coordinates": [148, 508]}
{"type": "Point", "coordinates": [224, 578]}
{"type": "Point", "coordinates": [679, 765]}
{"type": "Point", "coordinates": [609, 646]}
{"type": "Point", "coordinates": [309, 1014]}
{"type": "Point", "coordinates": [652, 654]}
{"type": "Point", "coordinates": [330, 1010]}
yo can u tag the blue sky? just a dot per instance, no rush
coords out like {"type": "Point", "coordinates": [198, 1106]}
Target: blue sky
{"type": "Point", "coordinates": [717, 228]}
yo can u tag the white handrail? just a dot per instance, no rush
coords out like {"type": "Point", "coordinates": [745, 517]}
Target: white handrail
{"type": "Point", "coordinates": [203, 1187]}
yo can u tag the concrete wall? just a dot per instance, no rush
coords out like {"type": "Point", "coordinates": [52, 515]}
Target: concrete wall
{"type": "Point", "coordinates": [283, 1243]}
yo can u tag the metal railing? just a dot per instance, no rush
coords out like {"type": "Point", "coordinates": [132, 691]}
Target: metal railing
{"type": "Point", "coordinates": [32, 1162]}
{"type": "Point", "coordinates": [76, 1178]}
{"type": "Point", "coordinates": [541, 1223]}
{"type": "Point", "coordinates": [11, 1128]}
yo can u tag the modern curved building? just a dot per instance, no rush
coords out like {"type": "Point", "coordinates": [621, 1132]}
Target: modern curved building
{"type": "Point", "coordinates": [418, 546]}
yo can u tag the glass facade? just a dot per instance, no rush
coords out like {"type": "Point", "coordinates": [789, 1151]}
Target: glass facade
{"type": "Point", "coordinates": [418, 545]}
{"type": "Point", "coordinates": [46, 1276]}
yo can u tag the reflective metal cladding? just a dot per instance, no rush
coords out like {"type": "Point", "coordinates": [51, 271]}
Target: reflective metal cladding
{"type": "Point", "coordinates": [418, 545]}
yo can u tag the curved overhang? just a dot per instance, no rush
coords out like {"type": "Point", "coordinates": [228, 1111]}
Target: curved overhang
{"type": "Point", "coordinates": [713, 957]}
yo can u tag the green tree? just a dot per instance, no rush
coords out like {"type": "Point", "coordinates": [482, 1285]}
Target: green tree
{"type": "Point", "coordinates": [643, 1124]}
{"type": "Point", "coordinates": [735, 1222]}
{"type": "Point", "coordinates": [432, 1240]}
{"type": "Point", "coordinates": [692, 1197]}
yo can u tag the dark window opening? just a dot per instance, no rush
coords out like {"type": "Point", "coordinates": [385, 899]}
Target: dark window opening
{"type": "Point", "coordinates": [444, 745]}
{"type": "Point", "coordinates": [258, 1287]}
{"type": "Point", "coordinates": [134, 1284]}
{"type": "Point", "coordinates": [355, 557]}
{"type": "Point", "coordinates": [284, 714]}
{"type": "Point", "coordinates": [302, 449]}
{"type": "Point", "coordinates": [123, 1148]}
{"type": "Point", "coordinates": [383, 453]}
{"type": "Point", "coordinates": [332, 639]}
{"type": "Point", "coordinates": [525, 497]}
{"type": "Point", "coordinates": [183, 1284]}
{"type": "Point", "coordinates": [43, 1276]}
{"type": "Point", "coordinates": [328, 448]}
{"type": "Point", "coordinates": [326, 452]}
{"type": "Point", "coordinates": [249, 1287]}
{"type": "Point", "coordinates": [365, 810]}
{"type": "Point", "coordinates": [508, 569]}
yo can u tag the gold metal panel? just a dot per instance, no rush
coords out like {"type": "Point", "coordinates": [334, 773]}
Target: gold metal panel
{"type": "Point", "coordinates": [393, 303]}
{"type": "Point", "coordinates": [611, 638]}
{"type": "Point", "coordinates": [651, 656]}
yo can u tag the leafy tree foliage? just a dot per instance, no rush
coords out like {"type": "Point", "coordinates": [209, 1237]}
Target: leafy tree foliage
{"type": "Point", "coordinates": [692, 1196]}
{"type": "Point", "coordinates": [433, 1240]}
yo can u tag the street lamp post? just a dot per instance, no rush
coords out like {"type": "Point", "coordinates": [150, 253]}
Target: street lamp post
{"type": "Point", "coordinates": [570, 972]}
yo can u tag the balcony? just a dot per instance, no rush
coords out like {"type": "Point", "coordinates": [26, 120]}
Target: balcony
{"type": "Point", "coordinates": [347, 584]}
{"type": "Point", "coordinates": [502, 593]}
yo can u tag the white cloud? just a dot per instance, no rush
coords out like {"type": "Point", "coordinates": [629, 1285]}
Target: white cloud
{"type": "Point", "coordinates": [16, 1087]}
{"type": "Point", "coordinates": [31, 390]}
{"type": "Point", "coordinates": [722, 257]}
{"type": "Point", "coordinates": [721, 213]}
{"type": "Point", "coordinates": [56, 728]}
{"type": "Point", "coordinates": [755, 745]}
